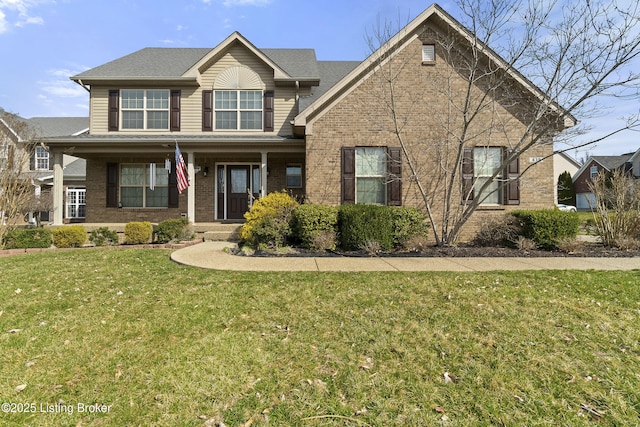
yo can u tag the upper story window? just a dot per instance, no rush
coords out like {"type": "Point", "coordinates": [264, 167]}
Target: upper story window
{"type": "Point", "coordinates": [238, 109]}
{"type": "Point", "coordinates": [593, 171]}
{"type": "Point", "coordinates": [145, 109]}
{"type": "Point", "coordinates": [41, 158]}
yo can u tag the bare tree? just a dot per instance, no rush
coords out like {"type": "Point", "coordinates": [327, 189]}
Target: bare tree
{"type": "Point", "coordinates": [17, 143]}
{"type": "Point", "coordinates": [572, 56]}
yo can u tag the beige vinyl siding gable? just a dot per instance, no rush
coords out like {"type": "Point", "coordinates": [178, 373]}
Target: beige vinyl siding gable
{"type": "Point", "coordinates": [191, 97]}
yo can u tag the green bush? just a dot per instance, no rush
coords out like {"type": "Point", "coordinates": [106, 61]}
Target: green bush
{"type": "Point", "coordinates": [362, 226]}
{"type": "Point", "coordinates": [408, 223]}
{"type": "Point", "coordinates": [276, 206]}
{"type": "Point", "coordinates": [547, 227]}
{"type": "Point", "coordinates": [136, 233]}
{"type": "Point", "coordinates": [173, 230]}
{"type": "Point", "coordinates": [72, 236]}
{"type": "Point", "coordinates": [103, 236]}
{"type": "Point", "coordinates": [312, 225]}
{"type": "Point", "coordinates": [23, 238]}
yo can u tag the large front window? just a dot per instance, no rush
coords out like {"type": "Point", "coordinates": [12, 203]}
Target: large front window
{"type": "Point", "coordinates": [238, 109]}
{"type": "Point", "coordinates": [145, 109]}
{"type": "Point", "coordinates": [486, 161]}
{"type": "Point", "coordinates": [138, 189]}
{"type": "Point", "coordinates": [371, 172]}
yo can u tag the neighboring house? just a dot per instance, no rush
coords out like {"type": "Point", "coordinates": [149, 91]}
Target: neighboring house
{"type": "Point", "coordinates": [250, 121]}
{"type": "Point", "coordinates": [562, 162]}
{"type": "Point", "coordinates": [39, 171]}
{"type": "Point", "coordinates": [595, 165]}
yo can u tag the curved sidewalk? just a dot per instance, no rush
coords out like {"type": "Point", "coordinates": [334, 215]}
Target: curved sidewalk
{"type": "Point", "coordinates": [211, 255]}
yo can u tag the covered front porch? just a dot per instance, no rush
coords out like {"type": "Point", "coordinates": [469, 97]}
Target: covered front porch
{"type": "Point", "coordinates": [225, 175]}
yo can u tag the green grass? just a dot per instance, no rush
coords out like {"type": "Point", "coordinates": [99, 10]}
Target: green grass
{"type": "Point", "coordinates": [170, 345]}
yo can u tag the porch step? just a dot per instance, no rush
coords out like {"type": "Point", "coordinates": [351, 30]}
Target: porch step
{"type": "Point", "coordinates": [218, 232]}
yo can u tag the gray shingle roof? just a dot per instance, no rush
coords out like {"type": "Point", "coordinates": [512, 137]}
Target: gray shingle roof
{"type": "Point", "coordinates": [330, 73]}
{"type": "Point", "coordinates": [613, 162]}
{"type": "Point", "coordinates": [174, 62]}
{"type": "Point", "coordinates": [58, 126]}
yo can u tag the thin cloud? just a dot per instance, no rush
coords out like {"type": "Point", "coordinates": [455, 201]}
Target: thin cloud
{"type": "Point", "coordinates": [17, 13]}
{"type": "Point", "coordinates": [231, 3]}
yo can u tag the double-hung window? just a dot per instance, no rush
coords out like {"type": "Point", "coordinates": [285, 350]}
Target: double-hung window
{"type": "Point", "coordinates": [138, 190]}
{"type": "Point", "coordinates": [145, 109]}
{"type": "Point", "coordinates": [238, 109]}
{"type": "Point", "coordinates": [486, 162]}
{"type": "Point", "coordinates": [41, 158]}
{"type": "Point", "coordinates": [371, 175]}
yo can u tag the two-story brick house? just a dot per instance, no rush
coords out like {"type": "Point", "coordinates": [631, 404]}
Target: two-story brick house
{"type": "Point", "coordinates": [249, 121]}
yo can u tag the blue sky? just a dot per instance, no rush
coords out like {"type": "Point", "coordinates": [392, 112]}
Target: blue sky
{"type": "Point", "coordinates": [44, 42]}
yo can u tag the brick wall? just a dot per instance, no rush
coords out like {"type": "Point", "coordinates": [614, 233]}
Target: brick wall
{"type": "Point", "coordinates": [360, 116]}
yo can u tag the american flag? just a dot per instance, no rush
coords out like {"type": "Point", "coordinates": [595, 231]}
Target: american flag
{"type": "Point", "coordinates": [181, 171]}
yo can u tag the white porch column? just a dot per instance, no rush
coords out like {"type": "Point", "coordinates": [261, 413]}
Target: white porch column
{"type": "Point", "coordinates": [263, 174]}
{"type": "Point", "coordinates": [191, 191]}
{"type": "Point", "coordinates": [58, 188]}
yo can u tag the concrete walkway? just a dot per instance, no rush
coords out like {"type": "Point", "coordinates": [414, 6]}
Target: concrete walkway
{"type": "Point", "coordinates": [212, 255]}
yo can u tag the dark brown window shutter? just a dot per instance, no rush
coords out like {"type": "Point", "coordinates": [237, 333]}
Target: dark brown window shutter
{"type": "Point", "coordinates": [394, 170]}
{"type": "Point", "coordinates": [114, 108]}
{"type": "Point", "coordinates": [348, 175]}
{"type": "Point", "coordinates": [175, 111]}
{"type": "Point", "coordinates": [174, 200]}
{"type": "Point", "coordinates": [207, 110]}
{"type": "Point", "coordinates": [268, 111]}
{"type": "Point", "coordinates": [112, 185]}
{"type": "Point", "coordinates": [467, 175]}
{"type": "Point", "coordinates": [512, 191]}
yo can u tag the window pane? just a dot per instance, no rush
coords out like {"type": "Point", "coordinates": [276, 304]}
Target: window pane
{"type": "Point", "coordinates": [492, 192]}
{"type": "Point", "coordinates": [239, 181]}
{"type": "Point", "coordinates": [132, 120]}
{"type": "Point", "coordinates": [251, 120]}
{"type": "Point", "coordinates": [371, 191]}
{"type": "Point", "coordinates": [255, 189]}
{"type": "Point", "coordinates": [158, 99]}
{"type": "Point", "coordinates": [226, 100]}
{"type": "Point", "coordinates": [132, 175]}
{"type": "Point", "coordinates": [157, 198]}
{"type": "Point", "coordinates": [371, 161]}
{"type": "Point", "coordinates": [131, 196]}
{"type": "Point", "coordinates": [250, 100]}
{"type": "Point", "coordinates": [486, 160]}
{"type": "Point", "coordinates": [162, 177]}
{"type": "Point", "coordinates": [226, 120]}
{"type": "Point", "coordinates": [132, 99]}
{"type": "Point", "coordinates": [294, 176]}
{"type": "Point", "coordinates": [158, 120]}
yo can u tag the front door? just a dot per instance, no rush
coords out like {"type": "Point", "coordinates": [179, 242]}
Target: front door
{"type": "Point", "coordinates": [238, 190]}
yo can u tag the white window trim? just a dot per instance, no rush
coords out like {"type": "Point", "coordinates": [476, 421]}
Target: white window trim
{"type": "Point", "coordinates": [593, 171]}
{"type": "Point", "coordinates": [287, 175]}
{"type": "Point", "coordinates": [77, 204]}
{"type": "Point", "coordinates": [238, 110]}
{"type": "Point", "coordinates": [428, 53]}
{"type": "Point", "coordinates": [41, 155]}
{"type": "Point", "coordinates": [145, 110]}
{"type": "Point", "coordinates": [359, 175]}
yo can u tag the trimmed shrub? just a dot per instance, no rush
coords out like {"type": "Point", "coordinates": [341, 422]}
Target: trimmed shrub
{"type": "Point", "coordinates": [547, 227]}
{"type": "Point", "coordinates": [363, 226]}
{"type": "Point", "coordinates": [173, 230]}
{"type": "Point", "coordinates": [103, 236]}
{"type": "Point", "coordinates": [23, 238]}
{"type": "Point", "coordinates": [408, 224]}
{"type": "Point", "coordinates": [136, 233]}
{"type": "Point", "coordinates": [314, 226]}
{"type": "Point", "coordinates": [72, 236]}
{"type": "Point", "coordinates": [276, 206]}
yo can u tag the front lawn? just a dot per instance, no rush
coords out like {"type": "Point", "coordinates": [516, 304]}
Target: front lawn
{"type": "Point", "coordinates": [114, 337]}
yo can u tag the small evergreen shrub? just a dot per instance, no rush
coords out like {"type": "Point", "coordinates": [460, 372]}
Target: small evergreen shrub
{"type": "Point", "coordinates": [314, 226]}
{"type": "Point", "coordinates": [103, 236]}
{"type": "Point", "coordinates": [173, 230]}
{"type": "Point", "coordinates": [72, 236]}
{"type": "Point", "coordinates": [547, 227]}
{"type": "Point", "coordinates": [136, 233]}
{"type": "Point", "coordinates": [278, 207]}
{"type": "Point", "coordinates": [23, 238]}
{"type": "Point", "coordinates": [408, 224]}
{"type": "Point", "coordinates": [364, 226]}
